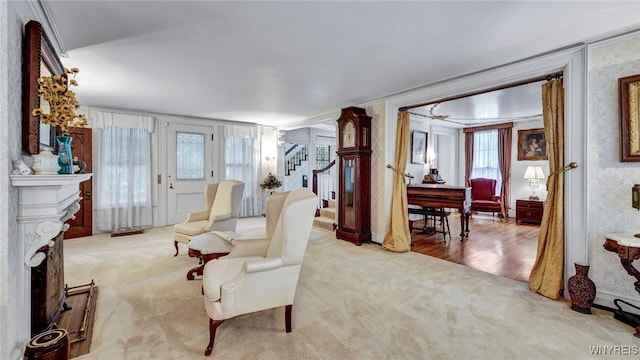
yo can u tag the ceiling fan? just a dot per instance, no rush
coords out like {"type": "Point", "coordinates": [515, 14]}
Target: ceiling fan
{"type": "Point", "coordinates": [472, 121]}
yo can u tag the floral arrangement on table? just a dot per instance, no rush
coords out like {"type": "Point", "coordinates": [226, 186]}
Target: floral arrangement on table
{"type": "Point", "coordinates": [61, 101]}
{"type": "Point", "coordinates": [270, 182]}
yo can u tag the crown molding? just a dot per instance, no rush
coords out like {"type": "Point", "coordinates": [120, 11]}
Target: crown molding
{"type": "Point", "coordinates": [41, 12]}
{"type": "Point", "coordinates": [323, 118]}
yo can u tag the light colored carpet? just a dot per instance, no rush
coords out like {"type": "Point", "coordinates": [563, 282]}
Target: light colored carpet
{"type": "Point", "coordinates": [351, 303]}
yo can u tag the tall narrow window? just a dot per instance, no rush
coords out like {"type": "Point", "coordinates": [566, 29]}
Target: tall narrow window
{"type": "Point", "coordinates": [323, 156]}
{"type": "Point", "coordinates": [241, 163]}
{"type": "Point", "coordinates": [124, 198]}
{"type": "Point", "coordinates": [485, 156]}
{"type": "Point", "coordinates": [238, 158]}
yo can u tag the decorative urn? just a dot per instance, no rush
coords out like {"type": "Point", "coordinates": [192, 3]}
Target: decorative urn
{"type": "Point", "coordinates": [45, 163]}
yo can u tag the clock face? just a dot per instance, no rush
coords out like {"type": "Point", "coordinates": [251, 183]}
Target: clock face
{"type": "Point", "coordinates": [349, 135]}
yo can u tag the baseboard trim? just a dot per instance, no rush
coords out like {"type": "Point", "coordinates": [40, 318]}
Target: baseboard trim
{"type": "Point", "coordinates": [127, 232]}
{"type": "Point", "coordinates": [605, 299]}
{"type": "Point", "coordinates": [377, 238]}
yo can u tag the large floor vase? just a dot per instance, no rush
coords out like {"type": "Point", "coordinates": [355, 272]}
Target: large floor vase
{"type": "Point", "coordinates": [582, 290]}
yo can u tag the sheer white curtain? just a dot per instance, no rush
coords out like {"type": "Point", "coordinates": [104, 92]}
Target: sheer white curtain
{"type": "Point", "coordinates": [123, 177]}
{"type": "Point", "coordinates": [242, 162]}
{"type": "Point", "coordinates": [485, 157]}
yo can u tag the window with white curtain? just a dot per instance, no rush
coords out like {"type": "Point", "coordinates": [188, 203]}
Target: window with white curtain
{"type": "Point", "coordinates": [485, 156]}
{"type": "Point", "coordinates": [124, 181]}
{"type": "Point", "coordinates": [242, 163]}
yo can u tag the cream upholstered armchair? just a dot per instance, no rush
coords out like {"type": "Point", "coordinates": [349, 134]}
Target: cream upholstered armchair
{"type": "Point", "coordinates": [261, 274]}
{"type": "Point", "coordinates": [222, 205]}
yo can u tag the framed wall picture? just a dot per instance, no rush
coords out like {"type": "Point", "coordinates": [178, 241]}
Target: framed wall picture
{"type": "Point", "coordinates": [532, 145]}
{"type": "Point", "coordinates": [418, 147]}
{"type": "Point", "coordinates": [629, 97]}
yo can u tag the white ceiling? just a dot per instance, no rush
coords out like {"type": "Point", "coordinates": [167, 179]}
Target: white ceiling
{"type": "Point", "coordinates": [284, 62]}
{"type": "Point", "coordinates": [513, 104]}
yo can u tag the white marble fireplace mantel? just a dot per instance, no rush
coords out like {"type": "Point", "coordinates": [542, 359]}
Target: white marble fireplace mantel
{"type": "Point", "coordinates": [45, 203]}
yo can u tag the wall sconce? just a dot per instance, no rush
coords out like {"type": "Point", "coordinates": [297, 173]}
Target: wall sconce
{"type": "Point", "coordinates": [534, 174]}
{"type": "Point", "coordinates": [635, 200]}
{"type": "Point", "coordinates": [431, 159]}
{"type": "Point", "coordinates": [635, 197]}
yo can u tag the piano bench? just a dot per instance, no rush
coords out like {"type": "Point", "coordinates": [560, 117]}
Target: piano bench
{"type": "Point", "coordinates": [435, 214]}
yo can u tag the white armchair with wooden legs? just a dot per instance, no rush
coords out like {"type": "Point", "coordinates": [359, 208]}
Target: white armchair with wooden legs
{"type": "Point", "coordinates": [261, 274]}
{"type": "Point", "coordinates": [222, 203]}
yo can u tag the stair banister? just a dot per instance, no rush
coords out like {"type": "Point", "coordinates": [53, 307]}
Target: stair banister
{"type": "Point", "coordinates": [322, 193]}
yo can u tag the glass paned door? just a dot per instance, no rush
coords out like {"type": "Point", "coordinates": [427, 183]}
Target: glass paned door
{"type": "Point", "coordinates": [190, 166]}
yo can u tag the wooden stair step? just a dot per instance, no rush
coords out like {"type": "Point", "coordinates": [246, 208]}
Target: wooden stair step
{"type": "Point", "coordinates": [324, 222]}
{"type": "Point", "coordinates": [328, 213]}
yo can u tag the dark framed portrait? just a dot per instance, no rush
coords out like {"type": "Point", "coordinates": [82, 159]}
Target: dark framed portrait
{"type": "Point", "coordinates": [532, 145]}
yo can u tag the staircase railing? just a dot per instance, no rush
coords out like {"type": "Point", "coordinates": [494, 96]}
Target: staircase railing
{"type": "Point", "coordinates": [295, 159]}
{"type": "Point", "coordinates": [323, 185]}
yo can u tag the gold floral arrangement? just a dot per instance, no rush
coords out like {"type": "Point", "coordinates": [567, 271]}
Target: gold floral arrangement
{"type": "Point", "coordinates": [270, 182]}
{"type": "Point", "coordinates": [61, 100]}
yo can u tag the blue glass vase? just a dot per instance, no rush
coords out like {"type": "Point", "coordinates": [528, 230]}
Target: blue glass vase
{"type": "Point", "coordinates": [65, 160]}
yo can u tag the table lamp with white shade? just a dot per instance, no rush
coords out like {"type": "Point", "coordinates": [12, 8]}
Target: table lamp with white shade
{"type": "Point", "coordinates": [534, 174]}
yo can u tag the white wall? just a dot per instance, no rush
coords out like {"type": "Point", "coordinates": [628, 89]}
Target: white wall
{"type": "Point", "coordinates": [519, 185]}
{"type": "Point", "coordinates": [15, 292]}
{"type": "Point", "coordinates": [418, 170]}
{"type": "Point", "coordinates": [444, 154]}
{"type": "Point", "coordinates": [609, 181]}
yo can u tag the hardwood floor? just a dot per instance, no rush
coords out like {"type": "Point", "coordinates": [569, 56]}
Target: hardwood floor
{"type": "Point", "coordinates": [498, 247]}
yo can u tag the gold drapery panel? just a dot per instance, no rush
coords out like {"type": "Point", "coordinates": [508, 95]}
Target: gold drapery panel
{"type": "Point", "coordinates": [546, 275]}
{"type": "Point", "coordinates": [397, 236]}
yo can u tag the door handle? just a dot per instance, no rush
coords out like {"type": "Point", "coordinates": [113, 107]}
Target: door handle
{"type": "Point", "coordinates": [87, 195]}
{"type": "Point", "coordinates": [170, 185]}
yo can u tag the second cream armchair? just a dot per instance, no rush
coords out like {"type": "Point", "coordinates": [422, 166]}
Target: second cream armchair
{"type": "Point", "coordinates": [222, 206]}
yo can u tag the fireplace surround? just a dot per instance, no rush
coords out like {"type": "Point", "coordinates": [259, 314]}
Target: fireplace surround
{"type": "Point", "coordinates": [45, 204]}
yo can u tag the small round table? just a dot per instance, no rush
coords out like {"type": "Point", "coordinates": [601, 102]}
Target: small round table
{"type": "Point", "coordinates": [206, 247]}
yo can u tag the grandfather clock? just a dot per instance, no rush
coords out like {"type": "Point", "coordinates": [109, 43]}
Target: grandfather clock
{"type": "Point", "coordinates": [354, 180]}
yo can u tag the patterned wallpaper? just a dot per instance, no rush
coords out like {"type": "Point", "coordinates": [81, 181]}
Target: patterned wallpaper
{"type": "Point", "coordinates": [14, 330]}
{"type": "Point", "coordinates": [378, 222]}
{"type": "Point", "coordinates": [609, 181]}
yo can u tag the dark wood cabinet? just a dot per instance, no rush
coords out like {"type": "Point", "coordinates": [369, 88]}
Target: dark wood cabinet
{"type": "Point", "coordinates": [529, 211]}
{"type": "Point", "coordinates": [354, 184]}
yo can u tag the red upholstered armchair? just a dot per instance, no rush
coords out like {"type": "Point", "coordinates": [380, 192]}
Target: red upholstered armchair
{"type": "Point", "coordinates": [483, 196]}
